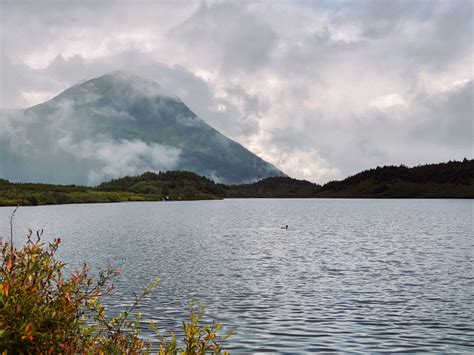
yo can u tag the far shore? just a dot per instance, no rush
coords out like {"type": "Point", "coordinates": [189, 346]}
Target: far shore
{"type": "Point", "coordinates": [451, 180]}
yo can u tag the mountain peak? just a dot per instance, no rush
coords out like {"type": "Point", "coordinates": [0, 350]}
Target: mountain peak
{"type": "Point", "coordinates": [119, 83]}
{"type": "Point", "coordinates": [121, 73]}
{"type": "Point", "coordinates": [125, 75]}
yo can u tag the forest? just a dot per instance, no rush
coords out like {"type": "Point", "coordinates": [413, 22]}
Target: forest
{"type": "Point", "coordinates": [453, 179]}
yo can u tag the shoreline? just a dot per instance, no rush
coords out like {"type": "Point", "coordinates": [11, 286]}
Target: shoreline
{"type": "Point", "coordinates": [237, 198]}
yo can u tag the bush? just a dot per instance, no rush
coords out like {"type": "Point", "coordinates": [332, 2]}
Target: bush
{"type": "Point", "coordinates": [43, 311]}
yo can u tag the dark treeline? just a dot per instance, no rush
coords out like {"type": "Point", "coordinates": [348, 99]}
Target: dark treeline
{"type": "Point", "coordinates": [29, 194]}
{"type": "Point", "coordinates": [454, 179]}
{"type": "Point", "coordinates": [169, 185]}
{"type": "Point", "coordinates": [283, 187]}
{"type": "Point", "coordinates": [443, 173]}
{"type": "Point", "coordinates": [172, 185]}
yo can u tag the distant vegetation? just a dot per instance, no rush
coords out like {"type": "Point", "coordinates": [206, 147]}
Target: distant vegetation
{"type": "Point", "coordinates": [172, 185]}
{"type": "Point", "coordinates": [282, 187]}
{"type": "Point", "coordinates": [12, 194]}
{"type": "Point", "coordinates": [169, 185]}
{"type": "Point", "coordinates": [454, 179]}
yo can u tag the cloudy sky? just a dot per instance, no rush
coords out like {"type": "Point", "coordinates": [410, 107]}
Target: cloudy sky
{"type": "Point", "coordinates": [321, 89]}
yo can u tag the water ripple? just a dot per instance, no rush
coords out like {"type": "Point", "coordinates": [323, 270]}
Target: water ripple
{"type": "Point", "coordinates": [348, 275]}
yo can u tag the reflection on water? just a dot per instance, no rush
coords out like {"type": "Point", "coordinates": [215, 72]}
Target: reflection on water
{"type": "Point", "coordinates": [349, 275]}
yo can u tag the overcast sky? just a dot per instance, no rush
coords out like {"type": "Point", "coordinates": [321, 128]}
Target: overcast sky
{"type": "Point", "coordinates": [321, 89]}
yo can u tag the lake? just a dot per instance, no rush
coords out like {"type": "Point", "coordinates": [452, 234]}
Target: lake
{"type": "Point", "coordinates": [347, 275]}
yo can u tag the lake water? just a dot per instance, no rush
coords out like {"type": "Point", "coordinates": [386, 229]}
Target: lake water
{"type": "Point", "coordinates": [347, 275]}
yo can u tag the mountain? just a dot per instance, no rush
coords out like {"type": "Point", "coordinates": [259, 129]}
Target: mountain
{"type": "Point", "coordinates": [116, 125]}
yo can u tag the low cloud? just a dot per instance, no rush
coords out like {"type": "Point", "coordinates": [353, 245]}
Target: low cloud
{"type": "Point", "coordinates": [306, 165]}
{"type": "Point", "coordinates": [60, 145]}
{"type": "Point", "coordinates": [112, 159]}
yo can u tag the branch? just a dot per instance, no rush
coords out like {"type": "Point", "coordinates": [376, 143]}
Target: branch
{"type": "Point", "coordinates": [11, 228]}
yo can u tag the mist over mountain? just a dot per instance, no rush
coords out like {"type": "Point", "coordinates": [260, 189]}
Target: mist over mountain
{"type": "Point", "coordinates": [115, 125]}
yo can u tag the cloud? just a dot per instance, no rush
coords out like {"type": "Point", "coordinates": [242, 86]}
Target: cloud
{"type": "Point", "coordinates": [235, 38]}
{"type": "Point", "coordinates": [112, 159]}
{"type": "Point", "coordinates": [320, 89]}
{"type": "Point", "coordinates": [306, 165]}
{"type": "Point", "coordinates": [387, 102]}
{"type": "Point", "coordinates": [60, 143]}
{"type": "Point", "coordinates": [446, 117]}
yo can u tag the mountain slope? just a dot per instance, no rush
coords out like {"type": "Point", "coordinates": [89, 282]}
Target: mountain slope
{"type": "Point", "coordinates": [115, 125]}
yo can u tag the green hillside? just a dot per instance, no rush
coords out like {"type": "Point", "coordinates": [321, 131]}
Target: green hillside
{"type": "Point", "coordinates": [454, 179]}
{"type": "Point", "coordinates": [13, 194]}
{"type": "Point", "coordinates": [169, 185]}
{"type": "Point", "coordinates": [281, 187]}
{"type": "Point", "coordinates": [173, 185]}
